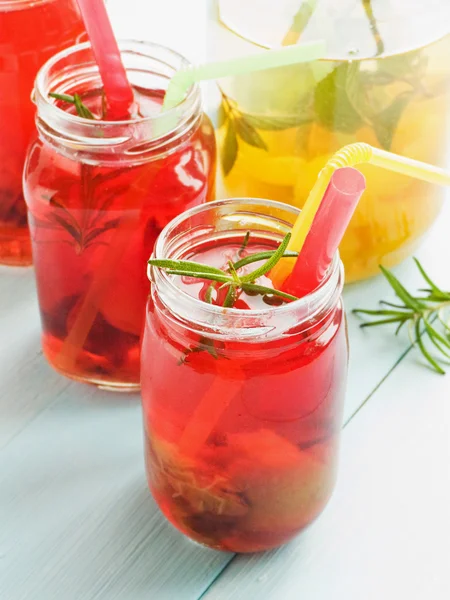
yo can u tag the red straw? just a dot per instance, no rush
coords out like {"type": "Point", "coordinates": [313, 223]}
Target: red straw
{"type": "Point", "coordinates": [118, 92]}
{"type": "Point", "coordinates": [327, 230]}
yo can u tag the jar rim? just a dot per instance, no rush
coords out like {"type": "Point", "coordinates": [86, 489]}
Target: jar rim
{"type": "Point", "coordinates": [311, 304]}
{"type": "Point", "coordinates": [137, 140]}
{"type": "Point", "coordinates": [267, 27]}
{"type": "Point", "coordinates": [124, 45]}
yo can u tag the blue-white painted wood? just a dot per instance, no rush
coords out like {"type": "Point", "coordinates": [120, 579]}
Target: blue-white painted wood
{"type": "Point", "coordinates": [27, 384]}
{"type": "Point", "coordinates": [77, 518]}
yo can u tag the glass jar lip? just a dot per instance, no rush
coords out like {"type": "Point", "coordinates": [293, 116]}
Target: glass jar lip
{"type": "Point", "coordinates": [318, 297]}
{"type": "Point", "coordinates": [416, 17]}
{"type": "Point", "coordinates": [40, 92]}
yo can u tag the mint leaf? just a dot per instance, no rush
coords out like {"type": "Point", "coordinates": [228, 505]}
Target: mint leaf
{"type": "Point", "coordinates": [229, 149]}
{"type": "Point", "coordinates": [410, 68]}
{"type": "Point", "coordinates": [385, 123]}
{"type": "Point", "coordinates": [249, 134]}
{"type": "Point", "coordinates": [221, 116]}
{"type": "Point", "coordinates": [331, 103]}
{"type": "Point", "coordinates": [274, 123]}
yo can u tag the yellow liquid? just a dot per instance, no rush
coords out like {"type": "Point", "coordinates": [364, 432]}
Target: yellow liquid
{"type": "Point", "coordinates": [286, 124]}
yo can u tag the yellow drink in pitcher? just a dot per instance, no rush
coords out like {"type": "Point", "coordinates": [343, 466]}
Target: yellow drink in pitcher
{"type": "Point", "coordinates": [387, 83]}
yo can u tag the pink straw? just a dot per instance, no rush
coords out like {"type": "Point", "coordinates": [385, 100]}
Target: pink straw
{"type": "Point", "coordinates": [327, 230]}
{"type": "Point", "coordinates": [118, 92]}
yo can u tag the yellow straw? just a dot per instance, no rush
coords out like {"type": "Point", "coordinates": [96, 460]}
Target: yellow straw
{"type": "Point", "coordinates": [349, 156]}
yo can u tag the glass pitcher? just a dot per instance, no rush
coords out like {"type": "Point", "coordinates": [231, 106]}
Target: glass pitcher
{"type": "Point", "coordinates": [385, 81]}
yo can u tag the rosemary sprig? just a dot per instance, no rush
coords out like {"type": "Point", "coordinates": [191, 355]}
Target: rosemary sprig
{"type": "Point", "coordinates": [231, 279]}
{"type": "Point", "coordinates": [244, 243]}
{"type": "Point", "coordinates": [82, 110]}
{"type": "Point", "coordinates": [248, 260]}
{"type": "Point", "coordinates": [424, 314]}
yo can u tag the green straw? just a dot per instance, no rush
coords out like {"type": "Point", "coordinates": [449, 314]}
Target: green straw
{"type": "Point", "coordinates": [268, 59]}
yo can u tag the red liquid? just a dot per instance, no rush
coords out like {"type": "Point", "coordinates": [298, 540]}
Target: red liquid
{"type": "Point", "coordinates": [241, 437]}
{"type": "Point", "coordinates": [29, 35]}
{"type": "Point", "coordinates": [83, 217]}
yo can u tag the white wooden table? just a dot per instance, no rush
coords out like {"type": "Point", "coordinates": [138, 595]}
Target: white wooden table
{"type": "Point", "coordinates": [77, 521]}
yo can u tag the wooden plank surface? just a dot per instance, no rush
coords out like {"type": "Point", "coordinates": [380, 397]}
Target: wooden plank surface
{"type": "Point", "coordinates": [25, 377]}
{"type": "Point", "coordinates": [386, 532]}
{"type": "Point", "coordinates": [76, 514]}
{"type": "Point", "coordinates": [77, 520]}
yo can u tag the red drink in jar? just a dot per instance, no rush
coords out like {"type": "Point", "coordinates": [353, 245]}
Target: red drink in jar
{"type": "Point", "coordinates": [98, 193]}
{"type": "Point", "coordinates": [31, 31]}
{"type": "Point", "coordinates": [242, 406]}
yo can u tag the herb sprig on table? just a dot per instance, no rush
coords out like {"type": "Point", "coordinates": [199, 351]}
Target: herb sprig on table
{"type": "Point", "coordinates": [230, 278]}
{"type": "Point", "coordinates": [424, 314]}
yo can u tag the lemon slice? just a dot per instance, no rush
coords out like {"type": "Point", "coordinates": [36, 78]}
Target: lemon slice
{"type": "Point", "coordinates": [275, 170]}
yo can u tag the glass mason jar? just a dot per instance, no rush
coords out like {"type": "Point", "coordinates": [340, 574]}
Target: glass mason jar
{"type": "Point", "coordinates": [385, 81]}
{"type": "Point", "coordinates": [242, 408]}
{"type": "Point", "coordinates": [98, 194]}
{"type": "Point", "coordinates": [31, 31]}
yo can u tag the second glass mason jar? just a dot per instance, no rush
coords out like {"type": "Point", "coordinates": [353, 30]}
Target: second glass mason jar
{"type": "Point", "coordinates": [385, 81]}
{"type": "Point", "coordinates": [242, 406]}
{"type": "Point", "coordinates": [98, 194]}
{"type": "Point", "coordinates": [31, 31]}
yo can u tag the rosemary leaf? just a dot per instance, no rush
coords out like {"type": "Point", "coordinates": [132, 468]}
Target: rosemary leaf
{"type": "Point", "coordinates": [233, 272]}
{"type": "Point", "coordinates": [261, 256]}
{"type": "Point", "coordinates": [244, 244]}
{"type": "Point", "coordinates": [186, 265]}
{"type": "Point", "coordinates": [261, 289]}
{"type": "Point", "coordinates": [208, 345]}
{"type": "Point", "coordinates": [437, 345]}
{"type": "Point", "coordinates": [433, 333]}
{"type": "Point", "coordinates": [444, 324]}
{"type": "Point", "coordinates": [267, 266]}
{"type": "Point", "coordinates": [230, 298]}
{"type": "Point", "coordinates": [82, 110]}
{"type": "Point", "coordinates": [381, 322]}
{"type": "Point", "coordinates": [401, 306]}
{"type": "Point", "coordinates": [401, 292]}
{"type": "Point", "coordinates": [424, 351]}
{"type": "Point", "coordinates": [397, 331]}
{"type": "Point", "coordinates": [395, 313]}
{"type": "Point", "coordinates": [230, 278]}
{"type": "Point", "coordinates": [63, 97]}
{"type": "Point", "coordinates": [208, 276]}
{"type": "Point", "coordinates": [436, 292]}
{"type": "Point", "coordinates": [208, 293]}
